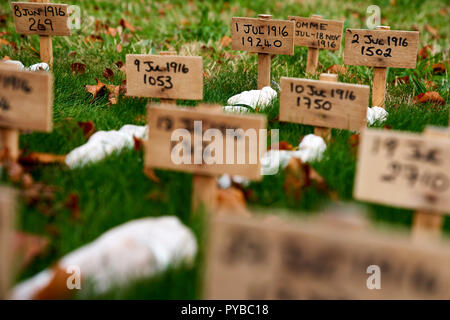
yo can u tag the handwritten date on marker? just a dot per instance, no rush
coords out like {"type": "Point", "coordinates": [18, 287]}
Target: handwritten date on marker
{"type": "Point", "coordinates": [45, 19]}
{"type": "Point", "coordinates": [263, 36]}
{"type": "Point", "coordinates": [404, 169]}
{"type": "Point", "coordinates": [256, 259]}
{"type": "Point", "coordinates": [381, 48]}
{"type": "Point", "coordinates": [191, 153]}
{"type": "Point", "coordinates": [318, 33]}
{"type": "Point", "coordinates": [323, 103]}
{"type": "Point", "coordinates": [25, 100]}
{"type": "Point", "coordinates": [169, 77]}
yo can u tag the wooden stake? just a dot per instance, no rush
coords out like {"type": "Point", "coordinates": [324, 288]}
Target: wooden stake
{"type": "Point", "coordinates": [428, 224]}
{"type": "Point", "coordinates": [204, 193]}
{"type": "Point", "coordinates": [313, 55]}
{"type": "Point", "coordinates": [323, 132]}
{"type": "Point", "coordinates": [46, 46]}
{"type": "Point", "coordinates": [379, 81]}
{"type": "Point", "coordinates": [7, 215]}
{"type": "Point", "coordinates": [264, 62]}
{"type": "Point", "coordinates": [168, 53]}
{"type": "Point", "coordinates": [204, 188]}
{"type": "Point", "coordinates": [9, 144]}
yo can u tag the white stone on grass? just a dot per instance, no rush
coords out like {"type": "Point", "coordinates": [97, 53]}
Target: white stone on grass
{"type": "Point", "coordinates": [137, 249]}
{"type": "Point", "coordinates": [103, 143]}
{"type": "Point", "coordinates": [254, 98]}
{"type": "Point", "coordinates": [375, 114]}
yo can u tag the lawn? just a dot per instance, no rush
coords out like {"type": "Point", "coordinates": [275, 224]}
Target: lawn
{"type": "Point", "coordinates": [115, 190]}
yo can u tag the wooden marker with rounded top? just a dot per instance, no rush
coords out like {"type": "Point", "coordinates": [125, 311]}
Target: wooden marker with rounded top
{"type": "Point", "coordinates": [323, 132]}
{"type": "Point", "coordinates": [264, 62]}
{"type": "Point", "coordinates": [313, 55]}
{"type": "Point", "coordinates": [379, 81]}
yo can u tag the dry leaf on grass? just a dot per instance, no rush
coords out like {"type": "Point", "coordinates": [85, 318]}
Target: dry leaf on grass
{"type": "Point", "coordinates": [126, 25]}
{"type": "Point", "coordinates": [138, 143]}
{"type": "Point", "coordinates": [298, 176]}
{"type": "Point", "coordinates": [337, 69]}
{"type": "Point", "coordinates": [73, 205]}
{"type": "Point", "coordinates": [430, 96]}
{"type": "Point", "coordinates": [433, 31]}
{"type": "Point", "coordinates": [93, 38]}
{"type": "Point", "coordinates": [225, 41]}
{"type": "Point", "coordinates": [150, 173]}
{"type": "Point", "coordinates": [95, 89]}
{"type": "Point", "coordinates": [42, 158]}
{"type": "Point", "coordinates": [78, 68]}
{"type": "Point", "coordinates": [108, 73]}
{"type": "Point", "coordinates": [231, 201]}
{"type": "Point", "coordinates": [88, 128]}
{"type": "Point", "coordinates": [439, 68]}
{"type": "Point", "coordinates": [425, 51]}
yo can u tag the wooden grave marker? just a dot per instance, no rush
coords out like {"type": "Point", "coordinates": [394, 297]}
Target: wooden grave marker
{"type": "Point", "coordinates": [380, 49]}
{"type": "Point", "coordinates": [428, 224]}
{"type": "Point", "coordinates": [254, 258]}
{"type": "Point", "coordinates": [44, 19]}
{"type": "Point", "coordinates": [7, 217]}
{"type": "Point", "coordinates": [171, 77]}
{"type": "Point", "coordinates": [26, 100]}
{"type": "Point", "coordinates": [166, 76]}
{"type": "Point", "coordinates": [317, 33]}
{"type": "Point", "coordinates": [406, 170]}
{"type": "Point", "coordinates": [194, 156]}
{"type": "Point", "coordinates": [264, 36]}
{"type": "Point", "coordinates": [324, 103]}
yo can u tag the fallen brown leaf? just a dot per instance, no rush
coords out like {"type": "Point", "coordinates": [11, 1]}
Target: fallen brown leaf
{"type": "Point", "coordinates": [225, 41]}
{"type": "Point", "coordinates": [231, 201]}
{"type": "Point", "coordinates": [78, 68]}
{"type": "Point", "coordinates": [425, 51]}
{"type": "Point", "coordinates": [42, 158]}
{"type": "Point", "coordinates": [93, 38]}
{"type": "Point", "coordinates": [439, 68]}
{"type": "Point", "coordinates": [150, 173]}
{"type": "Point", "coordinates": [430, 96]}
{"type": "Point", "coordinates": [73, 204]}
{"type": "Point", "coordinates": [126, 25]}
{"type": "Point", "coordinates": [95, 89]}
{"type": "Point", "coordinates": [399, 80]}
{"type": "Point", "coordinates": [119, 48]}
{"type": "Point", "coordinates": [88, 128]}
{"type": "Point", "coordinates": [433, 31]}
{"type": "Point", "coordinates": [337, 69]}
{"type": "Point", "coordinates": [108, 73]}
{"type": "Point", "coordinates": [138, 143]}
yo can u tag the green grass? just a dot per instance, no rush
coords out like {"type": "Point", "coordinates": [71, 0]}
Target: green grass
{"type": "Point", "coordinates": [115, 190]}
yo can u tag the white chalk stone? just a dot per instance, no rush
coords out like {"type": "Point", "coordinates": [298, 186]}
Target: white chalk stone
{"type": "Point", "coordinates": [310, 149]}
{"type": "Point", "coordinates": [103, 143]}
{"type": "Point", "coordinates": [39, 67]}
{"type": "Point", "coordinates": [375, 114]}
{"type": "Point", "coordinates": [136, 249]}
{"type": "Point", "coordinates": [254, 98]}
